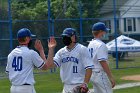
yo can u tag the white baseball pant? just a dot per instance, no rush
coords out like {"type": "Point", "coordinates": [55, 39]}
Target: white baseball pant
{"type": "Point", "coordinates": [101, 82]}
{"type": "Point", "coordinates": [22, 89]}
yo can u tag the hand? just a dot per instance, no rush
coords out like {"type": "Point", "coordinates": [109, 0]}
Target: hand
{"type": "Point", "coordinates": [38, 45]}
{"type": "Point", "coordinates": [112, 82]}
{"type": "Point", "coordinates": [52, 42]}
{"type": "Point", "coordinates": [84, 88]}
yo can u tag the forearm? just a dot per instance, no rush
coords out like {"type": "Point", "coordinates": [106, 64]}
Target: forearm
{"type": "Point", "coordinates": [42, 55]}
{"type": "Point", "coordinates": [106, 69]}
{"type": "Point", "coordinates": [88, 75]}
{"type": "Point", "coordinates": [50, 61]}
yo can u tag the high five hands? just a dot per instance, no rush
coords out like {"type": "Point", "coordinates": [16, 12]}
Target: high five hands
{"type": "Point", "coordinates": [51, 44]}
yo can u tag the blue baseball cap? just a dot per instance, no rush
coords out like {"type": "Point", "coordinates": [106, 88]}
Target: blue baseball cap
{"type": "Point", "coordinates": [24, 32]}
{"type": "Point", "coordinates": [68, 32]}
{"type": "Point", "coordinates": [100, 26]}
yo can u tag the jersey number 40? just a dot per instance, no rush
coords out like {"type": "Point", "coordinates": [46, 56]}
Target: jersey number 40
{"type": "Point", "coordinates": [17, 63]}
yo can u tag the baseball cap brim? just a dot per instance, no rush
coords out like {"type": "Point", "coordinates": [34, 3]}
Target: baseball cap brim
{"type": "Point", "coordinates": [32, 35]}
{"type": "Point", "coordinates": [107, 29]}
{"type": "Point", "coordinates": [65, 35]}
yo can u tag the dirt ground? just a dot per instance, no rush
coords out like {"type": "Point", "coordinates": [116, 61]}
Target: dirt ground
{"type": "Point", "coordinates": [132, 77]}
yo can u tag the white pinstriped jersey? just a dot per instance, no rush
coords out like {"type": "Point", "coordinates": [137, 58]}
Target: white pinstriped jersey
{"type": "Point", "coordinates": [73, 63]}
{"type": "Point", "coordinates": [99, 52]}
{"type": "Point", "coordinates": [20, 65]}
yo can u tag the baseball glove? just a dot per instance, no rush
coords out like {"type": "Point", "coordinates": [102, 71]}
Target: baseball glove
{"type": "Point", "coordinates": [81, 89]}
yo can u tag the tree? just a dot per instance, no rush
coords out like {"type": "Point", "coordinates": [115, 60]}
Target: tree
{"type": "Point", "coordinates": [38, 8]}
{"type": "Point", "coordinates": [60, 9]}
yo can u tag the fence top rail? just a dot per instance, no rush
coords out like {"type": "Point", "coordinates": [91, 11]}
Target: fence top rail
{"type": "Point", "coordinates": [66, 19]}
{"type": "Point", "coordinates": [4, 21]}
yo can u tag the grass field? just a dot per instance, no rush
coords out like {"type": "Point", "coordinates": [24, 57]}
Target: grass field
{"type": "Point", "coordinates": [128, 90]}
{"type": "Point", "coordinates": [133, 60]}
{"type": "Point", "coordinates": [47, 82]}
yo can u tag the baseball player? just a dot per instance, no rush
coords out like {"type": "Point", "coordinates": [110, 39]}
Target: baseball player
{"type": "Point", "coordinates": [21, 62]}
{"type": "Point", "coordinates": [74, 61]}
{"type": "Point", "coordinates": [102, 78]}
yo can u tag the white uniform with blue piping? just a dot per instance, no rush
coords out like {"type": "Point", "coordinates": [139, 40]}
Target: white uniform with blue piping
{"type": "Point", "coordinates": [73, 64]}
{"type": "Point", "coordinates": [99, 52]}
{"type": "Point", "coordinates": [20, 65]}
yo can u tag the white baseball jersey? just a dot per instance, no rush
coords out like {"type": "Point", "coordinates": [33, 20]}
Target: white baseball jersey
{"type": "Point", "coordinates": [98, 52]}
{"type": "Point", "coordinates": [20, 64]}
{"type": "Point", "coordinates": [73, 63]}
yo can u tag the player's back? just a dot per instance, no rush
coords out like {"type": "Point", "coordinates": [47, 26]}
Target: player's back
{"type": "Point", "coordinates": [94, 46]}
{"type": "Point", "coordinates": [98, 52]}
{"type": "Point", "coordinates": [20, 66]}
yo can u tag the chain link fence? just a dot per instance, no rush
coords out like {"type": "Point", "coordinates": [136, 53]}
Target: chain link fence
{"type": "Point", "coordinates": [123, 18]}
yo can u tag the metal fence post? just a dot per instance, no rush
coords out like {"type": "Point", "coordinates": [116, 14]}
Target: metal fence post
{"type": "Point", "coordinates": [52, 27]}
{"type": "Point", "coordinates": [49, 16]}
{"type": "Point", "coordinates": [81, 21]}
{"type": "Point", "coordinates": [115, 28]}
{"type": "Point", "coordinates": [10, 24]}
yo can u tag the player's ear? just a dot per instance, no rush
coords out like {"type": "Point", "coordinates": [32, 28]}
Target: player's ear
{"type": "Point", "coordinates": [73, 38]}
{"type": "Point", "coordinates": [27, 39]}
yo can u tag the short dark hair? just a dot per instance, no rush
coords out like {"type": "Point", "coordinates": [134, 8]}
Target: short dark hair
{"type": "Point", "coordinates": [21, 40]}
{"type": "Point", "coordinates": [95, 33]}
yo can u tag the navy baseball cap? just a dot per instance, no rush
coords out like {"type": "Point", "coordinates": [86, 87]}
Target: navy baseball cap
{"type": "Point", "coordinates": [24, 32]}
{"type": "Point", "coordinates": [100, 26]}
{"type": "Point", "coordinates": [69, 32]}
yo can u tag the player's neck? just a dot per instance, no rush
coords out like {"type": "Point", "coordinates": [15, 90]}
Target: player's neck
{"type": "Point", "coordinates": [71, 46]}
{"type": "Point", "coordinates": [97, 37]}
{"type": "Point", "coordinates": [23, 45]}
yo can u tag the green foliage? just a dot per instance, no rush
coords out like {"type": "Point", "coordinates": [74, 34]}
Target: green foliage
{"type": "Point", "coordinates": [41, 10]}
{"type": "Point", "coordinates": [37, 9]}
{"type": "Point", "coordinates": [3, 10]}
{"type": "Point", "coordinates": [60, 9]}
{"type": "Point", "coordinates": [27, 11]}
{"type": "Point", "coordinates": [56, 8]}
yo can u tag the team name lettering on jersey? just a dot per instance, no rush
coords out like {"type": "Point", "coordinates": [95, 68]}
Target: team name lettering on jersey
{"type": "Point", "coordinates": [70, 59]}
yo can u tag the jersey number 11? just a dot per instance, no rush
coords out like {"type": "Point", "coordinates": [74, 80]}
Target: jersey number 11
{"type": "Point", "coordinates": [75, 69]}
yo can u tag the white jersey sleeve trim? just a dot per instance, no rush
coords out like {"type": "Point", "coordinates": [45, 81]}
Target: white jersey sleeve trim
{"type": "Point", "coordinates": [102, 59]}
{"type": "Point", "coordinates": [6, 71]}
{"type": "Point", "coordinates": [41, 65]}
{"type": "Point", "coordinates": [56, 64]}
{"type": "Point", "coordinates": [89, 67]}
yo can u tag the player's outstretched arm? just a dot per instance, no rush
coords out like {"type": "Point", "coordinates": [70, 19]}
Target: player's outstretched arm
{"type": "Point", "coordinates": [51, 45]}
{"type": "Point", "coordinates": [108, 71]}
{"type": "Point", "coordinates": [49, 61]}
{"type": "Point", "coordinates": [38, 46]}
